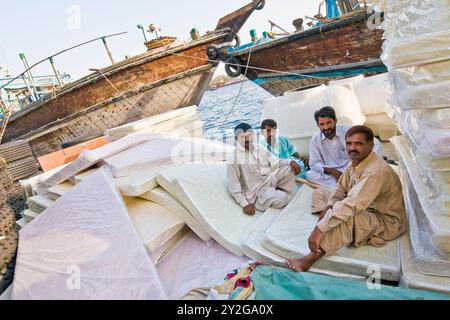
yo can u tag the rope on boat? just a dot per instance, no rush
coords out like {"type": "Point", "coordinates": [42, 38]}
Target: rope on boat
{"type": "Point", "coordinates": [240, 89]}
{"type": "Point", "coordinates": [121, 93]}
{"type": "Point", "coordinates": [287, 73]}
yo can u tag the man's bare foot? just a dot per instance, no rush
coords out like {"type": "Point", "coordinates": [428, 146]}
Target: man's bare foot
{"type": "Point", "coordinates": [303, 264]}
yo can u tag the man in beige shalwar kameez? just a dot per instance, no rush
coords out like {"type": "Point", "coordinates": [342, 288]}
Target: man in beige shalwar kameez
{"type": "Point", "coordinates": [257, 180]}
{"type": "Point", "coordinates": [367, 207]}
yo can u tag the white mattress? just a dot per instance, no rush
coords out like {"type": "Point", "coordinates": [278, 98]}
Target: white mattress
{"type": "Point", "coordinates": [254, 249]}
{"type": "Point", "coordinates": [21, 222]}
{"type": "Point", "coordinates": [138, 183]}
{"type": "Point", "coordinates": [149, 122]}
{"type": "Point", "coordinates": [56, 192]}
{"type": "Point", "coordinates": [30, 215]}
{"type": "Point", "coordinates": [289, 233]}
{"type": "Point", "coordinates": [165, 199]}
{"type": "Point", "coordinates": [93, 241]}
{"type": "Point", "coordinates": [412, 278]}
{"type": "Point", "coordinates": [39, 203]}
{"type": "Point", "coordinates": [89, 158]}
{"type": "Point", "coordinates": [170, 245]}
{"type": "Point", "coordinates": [155, 224]}
{"type": "Point", "coordinates": [30, 185]}
{"type": "Point", "coordinates": [79, 177]}
{"type": "Point", "coordinates": [166, 151]}
{"type": "Point", "coordinates": [286, 109]}
{"type": "Point", "coordinates": [196, 264]}
{"type": "Point", "coordinates": [212, 206]}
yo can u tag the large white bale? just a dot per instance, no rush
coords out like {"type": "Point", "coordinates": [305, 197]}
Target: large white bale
{"type": "Point", "coordinates": [295, 112]}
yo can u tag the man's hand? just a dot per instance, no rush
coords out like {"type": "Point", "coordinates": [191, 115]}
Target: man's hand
{"type": "Point", "coordinates": [333, 172]}
{"type": "Point", "coordinates": [314, 241]}
{"type": "Point", "coordinates": [249, 210]}
{"type": "Point", "coordinates": [296, 168]}
{"type": "Point", "coordinates": [324, 212]}
{"type": "Point", "coordinates": [304, 159]}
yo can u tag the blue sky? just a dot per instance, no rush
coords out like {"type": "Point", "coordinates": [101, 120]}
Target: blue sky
{"type": "Point", "coordinates": [41, 28]}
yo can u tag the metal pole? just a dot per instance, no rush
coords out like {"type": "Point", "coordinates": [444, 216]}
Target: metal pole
{"type": "Point", "coordinates": [28, 88]}
{"type": "Point", "coordinates": [30, 76]}
{"type": "Point", "coordinates": [5, 104]}
{"type": "Point", "coordinates": [108, 51]}
{"type": "Point", "coordinates": [57, 54]}
{"type": "Point", "coordinates": [143, 32]}
{"type": "Point", "coordinates": [55, 71]}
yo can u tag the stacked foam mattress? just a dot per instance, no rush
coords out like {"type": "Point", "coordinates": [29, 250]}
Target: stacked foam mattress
{"type": "Point", "coordinates": [372, 93]}
{"type": "Point", "coordinates": [285, 111]}
{"type": "Point", "coordinates": [180, 122]}
{"type": "Point", "coordinates": [417, 54]}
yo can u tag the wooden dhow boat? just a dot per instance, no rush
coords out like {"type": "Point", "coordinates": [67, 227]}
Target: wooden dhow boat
{"type": "Point", "coordinates": [341, 47]}
{"type": "Point", "coordinates": [167, 77]}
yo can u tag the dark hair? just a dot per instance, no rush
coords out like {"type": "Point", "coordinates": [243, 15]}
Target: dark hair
{"type": "Point", "coordinates": [242, 128]}
{"type": "Point", "coordinates": [269, 123]}
{"type": "Point", "coordinates": [325, 112]}
{"type": "Point", "coordinates": [366, 131]}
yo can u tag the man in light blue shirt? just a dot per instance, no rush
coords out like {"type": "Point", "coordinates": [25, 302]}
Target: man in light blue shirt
{"type": "Point", "coordinates": [281, 146]}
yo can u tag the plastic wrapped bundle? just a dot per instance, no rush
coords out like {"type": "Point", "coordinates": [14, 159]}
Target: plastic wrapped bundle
{"type": "Point", "coordinates": [411, 18]}
{"type": "Point", "coordinates": [424, 86]}
{"type": "Point", "coordinates": [428, 132]}
{"type": "Point", "coordinates": [416, 50]}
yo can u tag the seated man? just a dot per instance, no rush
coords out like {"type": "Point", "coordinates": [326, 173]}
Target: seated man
{"type": "Point", "coordinates": [280, 146]}
{"type": "Point", "coordinates": [256, 179]}
{"type": "Point", "coordinates": [367, 207]}
{"type": "Point", "coordinates": [328, 157]}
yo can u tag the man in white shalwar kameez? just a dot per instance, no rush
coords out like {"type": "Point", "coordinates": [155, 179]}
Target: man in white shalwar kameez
{"type": "Point", "coordinates": [258, 180]}
{"type": "Point", "coordinates": [328, 157]}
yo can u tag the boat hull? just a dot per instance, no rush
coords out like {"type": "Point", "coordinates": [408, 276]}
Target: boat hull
{"type": "Point", "coordinates": [133, 89]}
{"type": "Point", "coordinates": [177, 91]}
{"type": "Point", "coordinates": [340, 49]}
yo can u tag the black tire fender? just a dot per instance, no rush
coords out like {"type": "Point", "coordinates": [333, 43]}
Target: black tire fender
{"type": "Point", "coordinates": [212, 52]}
{"type": "Point", "coordinates": [233, 67]}
{"type": "Point", "coordinates": [260, 5]}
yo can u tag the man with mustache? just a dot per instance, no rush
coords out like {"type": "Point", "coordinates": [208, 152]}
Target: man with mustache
{"type": "Point", "coordinates": [328, 157]}
{"type": "Point", "coordinates": [367, 207]}
{"type": "Point", "coordinates": [257, 180]}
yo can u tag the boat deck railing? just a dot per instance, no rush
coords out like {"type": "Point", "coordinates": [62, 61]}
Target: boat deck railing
{"type": "Point", "coordinates": [31, 83]}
